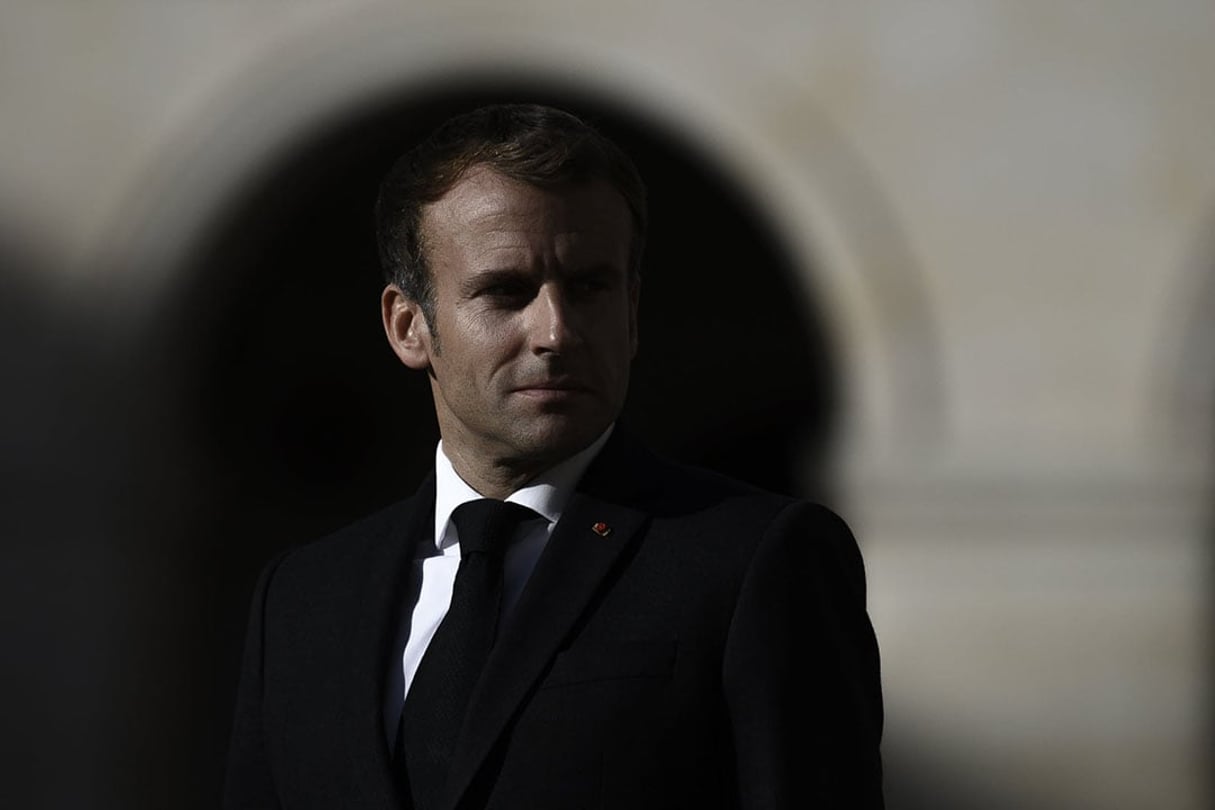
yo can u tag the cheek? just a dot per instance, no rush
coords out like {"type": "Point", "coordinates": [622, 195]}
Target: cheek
{"type": "Point", "coordinates": [492, 330]}
{"type": "Point", "coordinates": [610, 318]}
{"type": "Point", "coordinates": [478, 337]}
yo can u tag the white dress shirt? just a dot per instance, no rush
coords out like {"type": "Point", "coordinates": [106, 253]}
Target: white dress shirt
{"type": "Point", "coordinates": [434, 568]}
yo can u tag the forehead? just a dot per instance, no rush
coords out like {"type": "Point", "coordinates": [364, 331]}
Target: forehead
{"type": "Point", "coordinates": [486, 209]}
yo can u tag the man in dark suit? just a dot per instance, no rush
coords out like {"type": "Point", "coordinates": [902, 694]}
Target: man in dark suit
{"type": "Point", "coordinates": [629, 633]}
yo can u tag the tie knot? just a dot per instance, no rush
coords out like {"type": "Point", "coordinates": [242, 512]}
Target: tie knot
{"type": "Point", "coordinates": [486, 525]}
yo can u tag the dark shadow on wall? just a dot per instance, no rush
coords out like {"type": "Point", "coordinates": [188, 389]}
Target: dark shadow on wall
{"type": "Point", "coordinates": [1185, 373]}
{"type": "Point", "coordinates": [296, 417]}
{"type": "Point", "coordinates": [77, 559]}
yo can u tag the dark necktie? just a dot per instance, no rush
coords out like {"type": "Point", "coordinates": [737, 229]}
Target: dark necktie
{"type": "Point", "coordinates": [438, 697]}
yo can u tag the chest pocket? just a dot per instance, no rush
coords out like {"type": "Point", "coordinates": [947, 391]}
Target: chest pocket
{"type": "Point", "coordinates": [588, 662]}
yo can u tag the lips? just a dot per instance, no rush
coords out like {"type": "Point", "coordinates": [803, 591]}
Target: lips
{"type": "Point", "coordinates": [552, 387]}
{"type": "Point", "coordinates": [555, 384]}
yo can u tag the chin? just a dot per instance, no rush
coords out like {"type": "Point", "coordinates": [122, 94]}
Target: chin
{"type": "Point", "coordinates": [557, 442]}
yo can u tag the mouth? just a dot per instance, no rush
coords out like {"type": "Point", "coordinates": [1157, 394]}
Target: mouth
{"type": "Point", "coordinates": [552, 388]}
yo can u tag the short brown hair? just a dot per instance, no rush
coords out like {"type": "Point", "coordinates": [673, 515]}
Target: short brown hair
{"type": "Point", "coordinates": [543, 146]}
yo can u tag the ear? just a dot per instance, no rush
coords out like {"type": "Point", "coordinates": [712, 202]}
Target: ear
{"type": "Point", "coordinates": [406, 328]}
{"type": "Point", "coordinates": [634, 300]}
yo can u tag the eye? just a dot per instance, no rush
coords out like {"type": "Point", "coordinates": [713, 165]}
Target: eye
{"type": "Point", "coordinates": [506, 291]}
{"type": "Point", "coordinates": [592, 283]}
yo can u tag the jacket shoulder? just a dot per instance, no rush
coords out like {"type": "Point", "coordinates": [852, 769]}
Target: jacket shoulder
{"type": "Point", "coordinates": [382, 538]}
{"type": "Point", "coordinates": [683, 488]}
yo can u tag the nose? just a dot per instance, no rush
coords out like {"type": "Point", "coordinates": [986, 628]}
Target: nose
{"type": "Point", "coordinates": [552, 328]}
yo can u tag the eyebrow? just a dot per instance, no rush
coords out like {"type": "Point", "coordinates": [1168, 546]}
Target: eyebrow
{"type": "Point", "coordinates": [501, 275]}
{"type": "Point", "coordinates": [596, 269]}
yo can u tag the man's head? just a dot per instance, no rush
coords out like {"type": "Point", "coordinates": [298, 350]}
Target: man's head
{"type": "Point", "coordinates": [515, 232]}
{"type": "Point", "coordinates": [538, 145]}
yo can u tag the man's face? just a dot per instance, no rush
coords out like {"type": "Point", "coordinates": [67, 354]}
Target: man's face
{"type": "Point", "coordinates": [536, 313]}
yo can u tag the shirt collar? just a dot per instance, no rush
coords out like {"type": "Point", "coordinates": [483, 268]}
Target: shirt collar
{"type": "Point", "coordinates": [546, 494]}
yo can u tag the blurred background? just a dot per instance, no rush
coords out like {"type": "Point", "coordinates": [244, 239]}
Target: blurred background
{"type": "Point", "coordinates": [946, 266]}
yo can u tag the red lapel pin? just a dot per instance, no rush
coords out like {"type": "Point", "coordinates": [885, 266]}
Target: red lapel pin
{"type": "Point", "coordinates": [601, 529]}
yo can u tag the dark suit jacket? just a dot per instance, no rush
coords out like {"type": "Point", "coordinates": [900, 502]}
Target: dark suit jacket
{"type": "Point", "coordinates": [712, 651]}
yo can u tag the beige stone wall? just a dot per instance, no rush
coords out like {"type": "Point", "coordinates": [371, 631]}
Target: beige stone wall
{"type": "Point", "coordinates": [1009, 205]}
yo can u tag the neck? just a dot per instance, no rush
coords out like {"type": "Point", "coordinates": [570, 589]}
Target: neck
{"type": "Point", "coordinates": [493, 478]}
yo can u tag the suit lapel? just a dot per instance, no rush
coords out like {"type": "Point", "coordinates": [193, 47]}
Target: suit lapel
{"type": "Point", "coordinates": [373, 630]}
{"type": "Point", "coordinates": [600, 519]}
